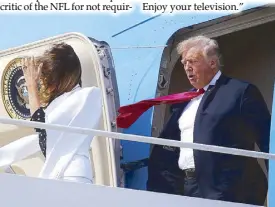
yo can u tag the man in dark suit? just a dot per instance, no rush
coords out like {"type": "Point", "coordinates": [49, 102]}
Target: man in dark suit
{"type": "Point", "coordinates": [230, 113]}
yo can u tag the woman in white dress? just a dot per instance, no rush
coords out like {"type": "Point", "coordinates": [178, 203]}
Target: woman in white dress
{"type": "Point", "coordinates": [56, 97]}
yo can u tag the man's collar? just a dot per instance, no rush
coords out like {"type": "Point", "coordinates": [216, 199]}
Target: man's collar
{"type": "Point", "coordinates": [213, 81]}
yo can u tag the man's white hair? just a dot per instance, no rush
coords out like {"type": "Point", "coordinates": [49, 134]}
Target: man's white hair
{"type": "Point", "coordinates": [208, 47]}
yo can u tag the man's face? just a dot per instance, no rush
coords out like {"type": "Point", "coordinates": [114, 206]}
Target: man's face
{"type": "Point", "coordinates": [198, 69]}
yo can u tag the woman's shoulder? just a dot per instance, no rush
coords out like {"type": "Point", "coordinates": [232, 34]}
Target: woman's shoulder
{"type": "Point", "coordinates": [89, 91]}
{"type": "Point", "coordinates": [76, 98]}
{"type": "Point", "coordinates": [86, 95]}
{"type": "Point", "coordinates": [82, 102]}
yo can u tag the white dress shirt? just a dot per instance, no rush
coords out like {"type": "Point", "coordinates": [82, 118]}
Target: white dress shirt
{"type": "Point", "coordinates": [186, 125]}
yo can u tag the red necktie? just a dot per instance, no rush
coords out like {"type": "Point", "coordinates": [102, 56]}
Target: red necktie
{"type": "Point", "coordinates": [130, 113]}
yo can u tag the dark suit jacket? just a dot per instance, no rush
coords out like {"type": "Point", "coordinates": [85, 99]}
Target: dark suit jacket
{"type": "Point", "coordinates": [231, 114]}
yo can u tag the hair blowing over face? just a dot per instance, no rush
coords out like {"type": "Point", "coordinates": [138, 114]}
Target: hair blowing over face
{"type": "Point", "coordinates": [61, 72]}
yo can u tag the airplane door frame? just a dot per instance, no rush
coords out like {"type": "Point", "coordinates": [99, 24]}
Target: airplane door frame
{"type": "Point", "coordinates": [213, 28]}
{"type": "Point", "coordinates": [113, 103]}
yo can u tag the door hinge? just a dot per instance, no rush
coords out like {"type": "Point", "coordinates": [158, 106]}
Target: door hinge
{"type": "Point", "coordinates": [113, 124]}
{"type": "Point", "coordinates": [110, 91]}
{"type": "Point", "coordinates": [106, 71]}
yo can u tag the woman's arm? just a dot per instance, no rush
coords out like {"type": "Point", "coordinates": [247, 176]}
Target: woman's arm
{"type": "Point", "coordinates": [34, 100]}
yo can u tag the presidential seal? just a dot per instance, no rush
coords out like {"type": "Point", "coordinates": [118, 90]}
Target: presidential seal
{"type": "Point", "coordinates": [14, 91]}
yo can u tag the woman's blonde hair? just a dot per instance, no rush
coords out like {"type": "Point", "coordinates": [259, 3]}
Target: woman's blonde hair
{"type": "Point", "coordinates": [61, 72]}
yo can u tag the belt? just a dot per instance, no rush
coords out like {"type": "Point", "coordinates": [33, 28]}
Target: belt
{"type": "Point", "coordinates": [189, 173]}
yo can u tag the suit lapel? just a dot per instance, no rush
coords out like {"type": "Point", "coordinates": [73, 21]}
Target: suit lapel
{"type": "Point", "coordinates": [207, 98]}
{"type": "Point", "coordinates": [210, 93]}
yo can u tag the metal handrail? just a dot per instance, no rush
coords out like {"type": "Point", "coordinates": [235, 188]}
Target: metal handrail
{"type": "Point", "coordinates": [137, 138]}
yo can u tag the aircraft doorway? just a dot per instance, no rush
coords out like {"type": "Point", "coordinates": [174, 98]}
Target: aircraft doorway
{"type": "Point", "coordinates": [247, 54]}
{"type": "Point", "coordinates": [247, 46]}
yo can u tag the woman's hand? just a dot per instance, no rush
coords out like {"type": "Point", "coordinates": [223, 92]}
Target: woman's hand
{"type": "Point", "coordinates": [32, 74]}
{"type": "Point", "coordinates": [31, 71]}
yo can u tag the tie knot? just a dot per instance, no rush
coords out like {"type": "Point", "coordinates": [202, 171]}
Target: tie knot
{"type": "Point", "coordinates": [201, 90]}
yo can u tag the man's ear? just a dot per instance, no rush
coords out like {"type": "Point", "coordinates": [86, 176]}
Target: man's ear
{"type": "Point", "coordinates": [213, 64]}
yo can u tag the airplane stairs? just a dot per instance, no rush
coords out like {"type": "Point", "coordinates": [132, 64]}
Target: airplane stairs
{"type": "Point", "coordinates": [24, 191]}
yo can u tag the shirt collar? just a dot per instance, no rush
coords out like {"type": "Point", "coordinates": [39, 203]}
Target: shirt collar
{"type": "Point", "coordinates": [213, 81]}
